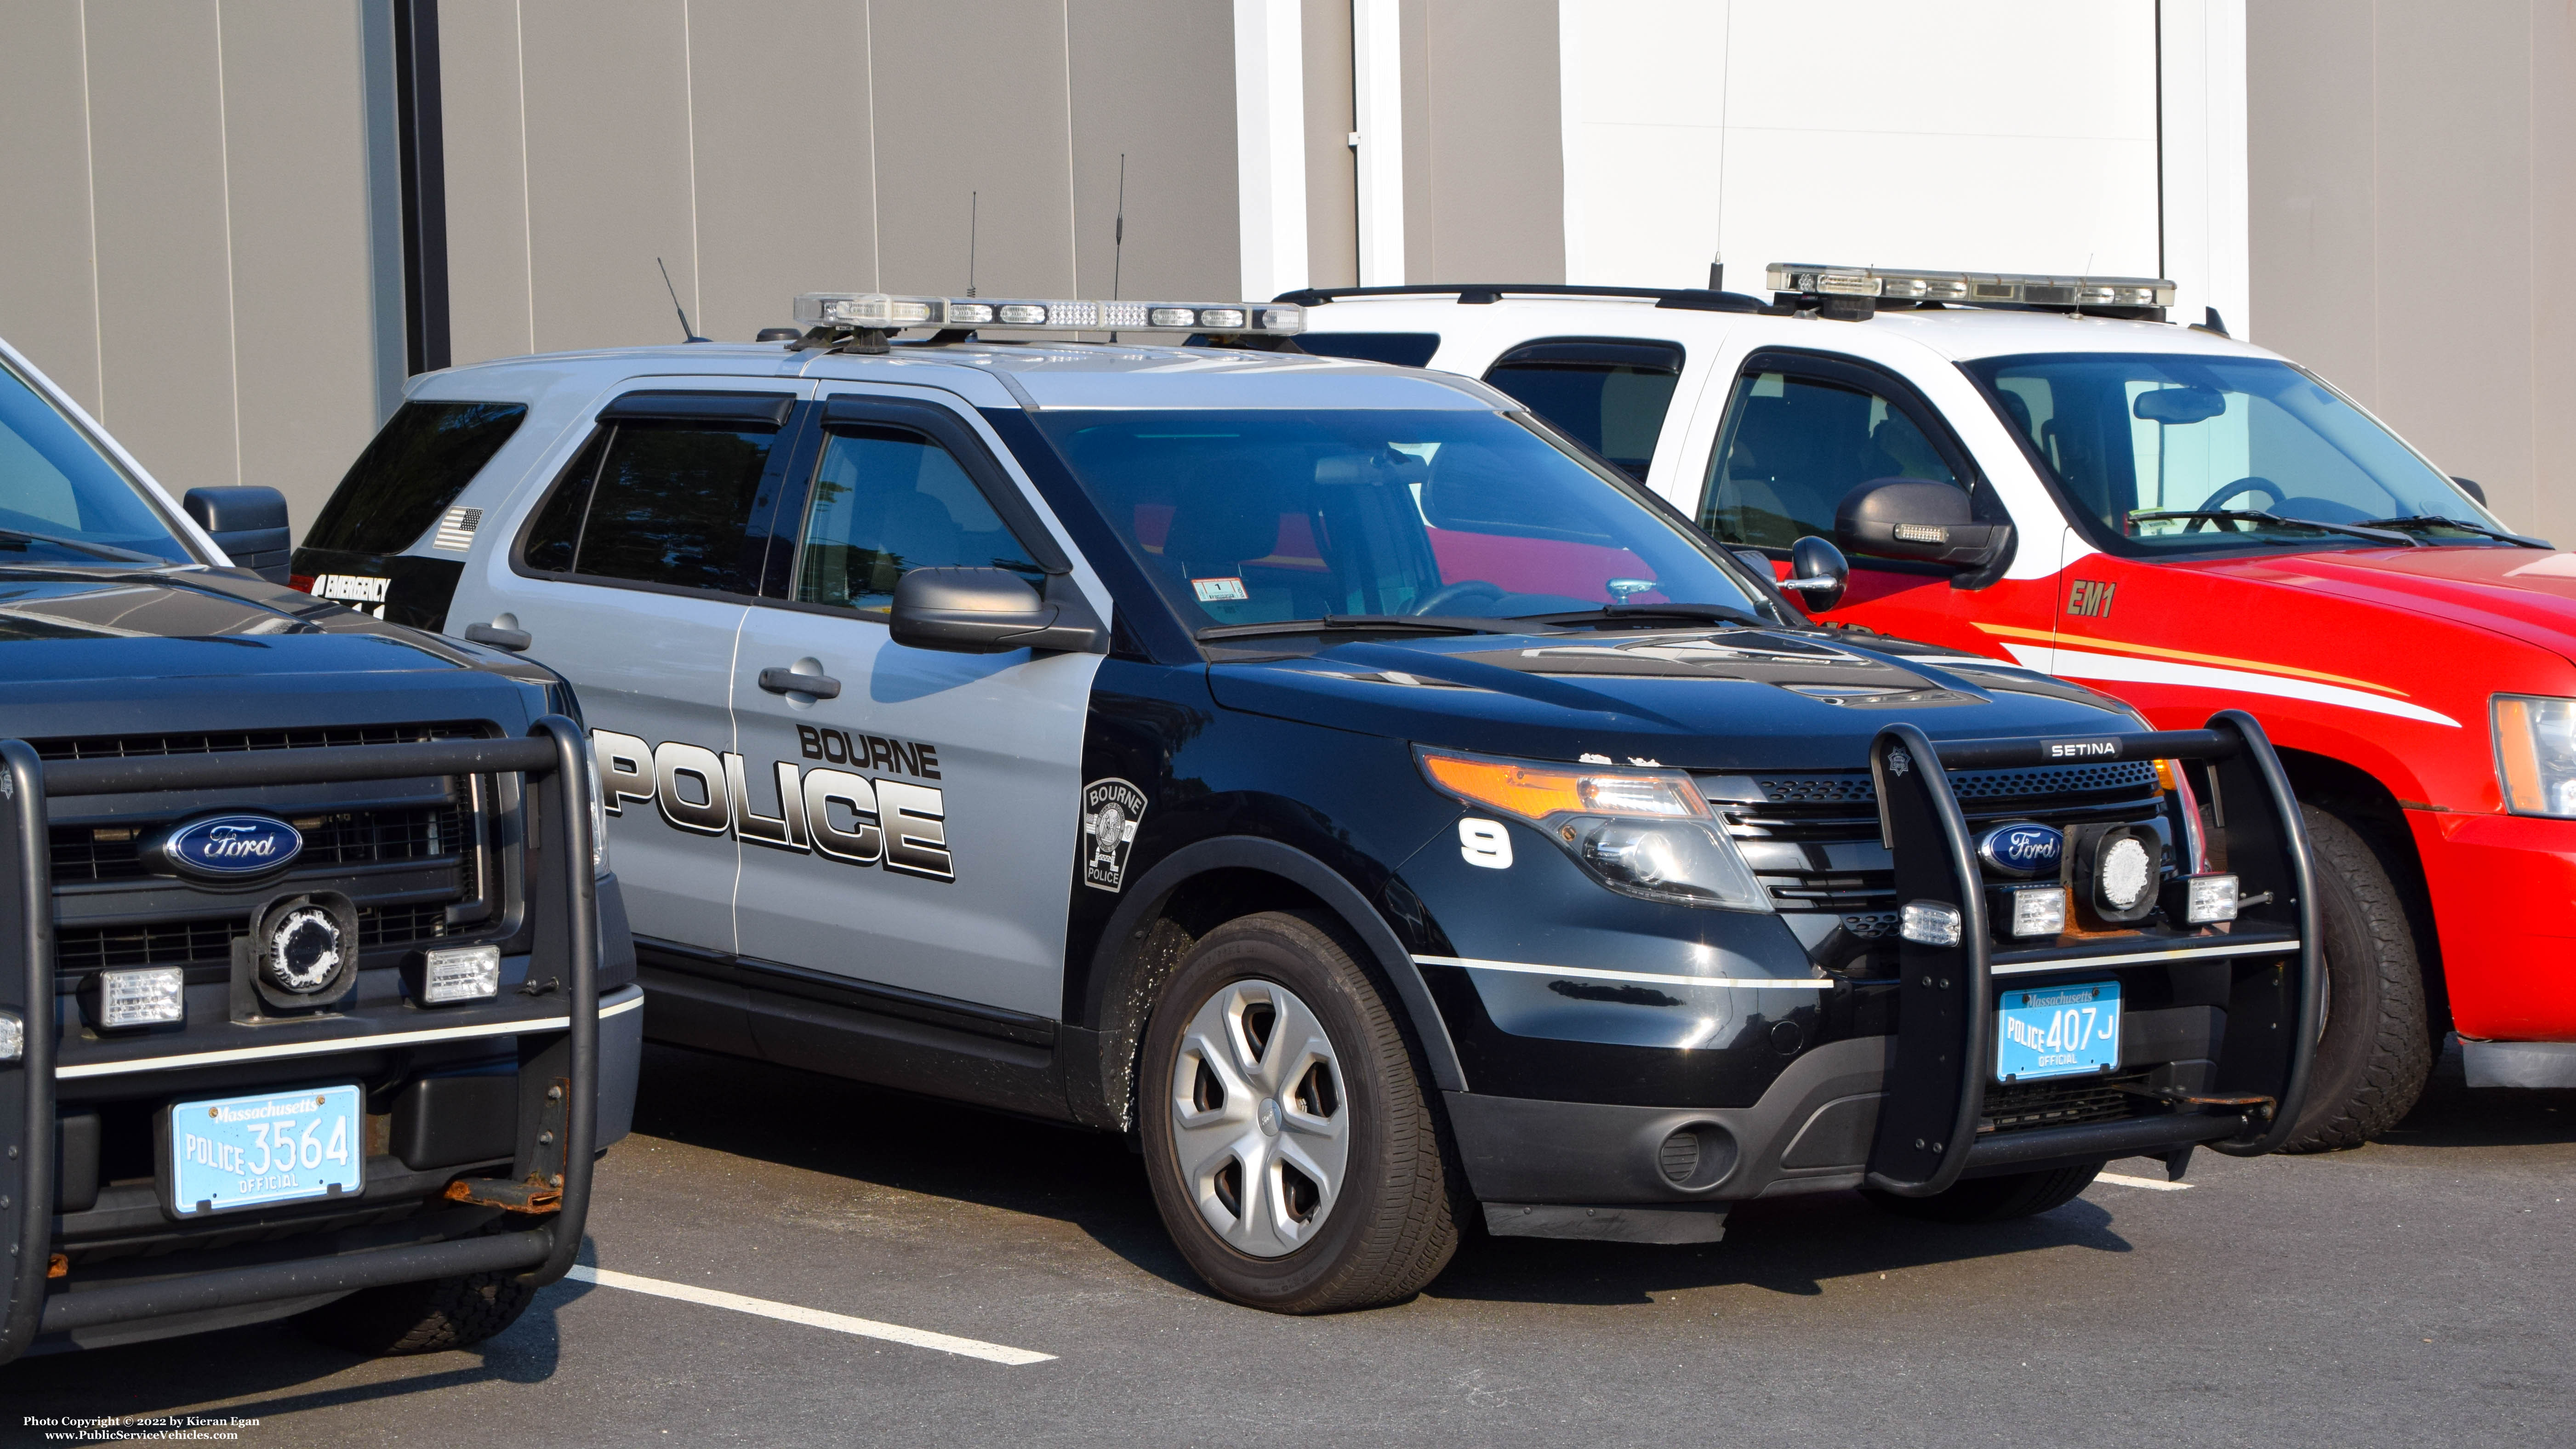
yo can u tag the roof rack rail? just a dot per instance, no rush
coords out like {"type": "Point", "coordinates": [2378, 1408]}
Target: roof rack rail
{"type": "Point", "coordinates": [1477, 294]}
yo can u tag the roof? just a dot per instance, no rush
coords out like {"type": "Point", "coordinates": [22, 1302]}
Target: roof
{"type": "Point", "coordinates": [1001, 374]}
{"type": "Point", "coordinates": [1958, 333]}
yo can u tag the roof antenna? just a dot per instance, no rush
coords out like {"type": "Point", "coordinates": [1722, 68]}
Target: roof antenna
{"type": "Point", "coordinates": [974, 205]}
{"type": "Point", "coordinates": [687, 332]}
{"type": "Point", "coordinates": [1118, 235]}
{"type": "Point", "coordinates": [1717, 271]}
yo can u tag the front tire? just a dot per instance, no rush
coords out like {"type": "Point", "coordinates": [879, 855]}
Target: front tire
{"type": "Point", "coordinates": [426, 1317]}
{"type": "Point", "coordinates": [1291, 1142]}
{"type": "Point", "coordinates": [2374, 1051]}
{"type": "Point", "coordinates": [1994, 1199]}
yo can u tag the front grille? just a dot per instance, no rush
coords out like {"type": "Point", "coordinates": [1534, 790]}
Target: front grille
{"type": "Point", "coordinates": [124, 747]}
{"type": "Point", "coordinates": [1801, 819]}
{"type": "Point", "coordinates": [2014, 1106]}
{"type": "Point", "coordinates": [208, 940]}
{"type": "Point", "coordinates": [348, 837]}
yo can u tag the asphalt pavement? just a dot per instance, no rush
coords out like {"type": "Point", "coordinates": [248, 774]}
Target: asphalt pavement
{"type": "Point", "coordinates": [780, 1259]}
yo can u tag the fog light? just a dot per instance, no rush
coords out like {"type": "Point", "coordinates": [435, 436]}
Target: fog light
{"type": "Point", "coordinates": [1929, 923]}
{"type": "Point", "coordinates": [2202, 899]}
{"type": "Point", "coordinates": [460, 973]}
{"type": "Point", "coordinates": [2029, 910]}
{"type": "Point", "coordinates": [140, 998]}
{"type": "Point", "coordinates": [13, 1037]}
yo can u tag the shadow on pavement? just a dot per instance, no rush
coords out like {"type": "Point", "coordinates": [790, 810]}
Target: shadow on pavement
{"type": "Point", "coordinates": [2452, 1114]}
{"type": "Point", "coordinates": [1090, 1180]}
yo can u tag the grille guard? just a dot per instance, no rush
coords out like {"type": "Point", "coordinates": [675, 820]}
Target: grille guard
{"type": "Point", "coordinates": [551, 759]}
{"type": "Point", "coordinates": [1926, 1139]}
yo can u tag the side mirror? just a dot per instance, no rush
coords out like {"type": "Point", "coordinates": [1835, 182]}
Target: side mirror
{"type": "Point", "coordinates": [248, 524]}
{"type": "Point", "coordinates": [1910, 518]}
{"type": "Point", "coordinates": [992, 611]}
{"type": "Point", "coordinates": [2471, 488]}
{"type": "Point", "coordinates": [1818, 574]}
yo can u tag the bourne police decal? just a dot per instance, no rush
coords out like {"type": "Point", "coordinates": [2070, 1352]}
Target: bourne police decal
{"type": "Point", "coordinates": [227, 847]}
{"type": "Point", "coordinates": [853, 818]}
{"type": "Point", "coordinates": [1111, 811]}
{"type": "Point", "coordinates": [2023, 849]}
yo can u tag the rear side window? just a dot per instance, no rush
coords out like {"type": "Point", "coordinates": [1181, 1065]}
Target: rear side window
{"type": "Point", "coordinates": [668, 502]}
{"type": "Point", "coordinates": [415, 467]}
{"type": "Point", "coordinates": [1793, 446]}
{"type": "Point", "coordinates": [1611, 395]}
{"type": "Point", "coordinates": [1403, 349]}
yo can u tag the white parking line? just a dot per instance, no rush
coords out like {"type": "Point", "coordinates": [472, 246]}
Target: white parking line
{"type": "Point", "coordinates": [2150, 1183]}
{"type": "Point", "coordinates": [810, 1317]}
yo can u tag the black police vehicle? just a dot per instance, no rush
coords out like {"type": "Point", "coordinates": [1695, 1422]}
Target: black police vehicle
{"type": "Point", "coordinates": [1391, 815]}
{"type": "Point", "coordinates": [315, 994]}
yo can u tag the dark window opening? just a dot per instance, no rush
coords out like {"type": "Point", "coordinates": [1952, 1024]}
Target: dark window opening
{"type": "Point", "coordinates": [415, 467]}
{"type": "Point", "coordinates": [654, 502]}
{"type": "Point", "coordinates": [1610, 395]}
{"type": "Point", "coordinates": [887, 501]}
{"type": "Point", "coordinates": [1794, 446]}
{"type": "Point", "coordinates": [1402, 349]}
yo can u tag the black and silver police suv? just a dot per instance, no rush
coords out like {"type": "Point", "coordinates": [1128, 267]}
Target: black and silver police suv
{"type": "Point", "coordinates": [316, 996]}
{"type": "Point", "coordinates": [1389, 814]}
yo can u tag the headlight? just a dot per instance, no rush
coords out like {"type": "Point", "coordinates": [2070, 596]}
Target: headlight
{"type": "Point", "coordinates": [2536, 754]}
{"type": "Point", "coordinates": [1645, 833]}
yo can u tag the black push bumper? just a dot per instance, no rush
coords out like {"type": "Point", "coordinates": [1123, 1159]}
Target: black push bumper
{"type": "Point", "coordinates": [561, 891]}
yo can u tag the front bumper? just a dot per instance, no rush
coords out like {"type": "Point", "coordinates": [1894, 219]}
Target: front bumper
{"type": "Point", "coordinates": [2504, 901]}
{"type": "Point", "coordinates": [2224, 1036]}
{"type": "Point", "coordinates": [559, 1050]}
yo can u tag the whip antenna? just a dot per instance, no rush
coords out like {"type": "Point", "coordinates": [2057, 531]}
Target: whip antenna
{"type": "Point", "coordinates": [687, 332]}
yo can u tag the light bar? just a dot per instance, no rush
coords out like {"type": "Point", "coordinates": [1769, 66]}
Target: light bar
{"type": "Point", "coordinates": [884, 312]}
{"type": "Point", "coordinates": [1968, 287]}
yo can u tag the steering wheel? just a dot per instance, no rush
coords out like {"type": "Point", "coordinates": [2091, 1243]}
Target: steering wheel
{"type": "Point", "coordinates": [2251, 483]}
{"type": "Point", "coordinates": [1446, 600]}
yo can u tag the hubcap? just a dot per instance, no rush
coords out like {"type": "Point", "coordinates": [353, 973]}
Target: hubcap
{"type": "Point", "coordinates": [1258, 1118]}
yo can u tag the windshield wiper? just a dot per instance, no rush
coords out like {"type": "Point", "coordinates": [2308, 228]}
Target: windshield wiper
{"type": "Point", "coordinates": [94, 550]}
{"type": "Point", "coordinates": [2435, 520]}
{"type": "Point", "coordinates": [1621, 613]}
{"type": "Point", "coordinates": [1336, 623]}
{"type": "Point", "coordinates": [2257, 515]}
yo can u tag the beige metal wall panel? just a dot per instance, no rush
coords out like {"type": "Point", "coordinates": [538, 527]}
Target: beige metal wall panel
{"type": "Point", "coordinates": [165, 289]}
{"type": "Point", "coordinates": [609, 175]}
{"type": "Point", "coordinates": [1004, 134]}
{"type": "Point", "coordinates": [2312, 187]}
{"type": "Point", "coordinates": [2454, 150]}
{"type": "Point", "coordinates": [490, 312]}
{"type": "Point", "coordinates": [1154, 80]}
{"type": "Point", "coordinates": [303, 302]}
{"type": "Point", "coordinates": [2413, 178]}
{"type": "Point", "coordinates": [1488, 144]}
{"type": "Point", "coordinates": [1332, 167]}
{"type": "Point", "coordinates": [48, 295]}
{"type": "Point", "coordinates": [785, 182]}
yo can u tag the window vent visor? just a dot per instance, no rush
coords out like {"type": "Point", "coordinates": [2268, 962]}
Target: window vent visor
{"type": "Point", "coordinates": [754, 409]}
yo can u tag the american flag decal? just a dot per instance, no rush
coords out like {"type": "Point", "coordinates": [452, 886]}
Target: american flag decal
{"type": "Point", "coordinates": [456, 530]}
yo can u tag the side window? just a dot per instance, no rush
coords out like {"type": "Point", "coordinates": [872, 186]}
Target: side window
{"type": "Point", "coordinates": [1610, 395]}
{"type": "Point", "coordinates": [417, 464]}
{"type": "Point", "coordinates": [1403, 349]}
{"type": "Point", "coordinates": [1793, 446]}
{"type": "Point", "coordinates": [659, 502]}
{"type": "Point", "coordinates": [888, 500]}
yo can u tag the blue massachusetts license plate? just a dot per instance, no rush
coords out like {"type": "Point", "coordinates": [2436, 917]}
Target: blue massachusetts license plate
{"type": "Point", "coordinates": [236, 1152]}
{"type": "Point", "coordinates": [2058, 1031]}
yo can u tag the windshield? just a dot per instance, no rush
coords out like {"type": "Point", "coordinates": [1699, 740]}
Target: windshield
{"type": "Point", "coordinates": [2145, 433]}
{"type": "Point", "coordinates": [1250, 517]}
{"type": "Point", "coordinates": [58, 492]}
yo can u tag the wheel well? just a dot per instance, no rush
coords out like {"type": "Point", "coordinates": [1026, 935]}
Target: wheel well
{"type": "Point", "coordinates": [2355, 796]}
{"type": "Point", "coordinates": [1153, 952]}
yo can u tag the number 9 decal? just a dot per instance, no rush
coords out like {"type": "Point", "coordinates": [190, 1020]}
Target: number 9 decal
{"type": "Point", "coordinates": [1485, 843]}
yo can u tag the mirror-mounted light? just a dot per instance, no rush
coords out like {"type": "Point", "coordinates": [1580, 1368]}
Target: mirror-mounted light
{"type": "Point", "coordinates": [1915, 519]}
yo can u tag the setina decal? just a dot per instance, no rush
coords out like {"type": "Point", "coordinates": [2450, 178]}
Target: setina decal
{"type": "Point", "coordinates": [837, 814]}
{"type": "Point", "coordinates": [1111, 810]}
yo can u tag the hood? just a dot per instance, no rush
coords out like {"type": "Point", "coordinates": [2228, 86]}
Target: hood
{"type": "Point", "coordinates": [2522, 593]}
{"type": "Point", "coordinates": [1697, 698]}
{"type": "Point", "coordinates": [60, 625]}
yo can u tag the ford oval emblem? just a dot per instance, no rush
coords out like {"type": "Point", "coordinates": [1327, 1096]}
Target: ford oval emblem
{"type": "Point", "coordinates": [228, 847]}
{"type": "Point", "coordinates": [2022, 849]}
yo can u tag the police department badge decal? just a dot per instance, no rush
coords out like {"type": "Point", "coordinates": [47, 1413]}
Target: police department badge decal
{"type": "Point", "coordinates": [1110, 812]}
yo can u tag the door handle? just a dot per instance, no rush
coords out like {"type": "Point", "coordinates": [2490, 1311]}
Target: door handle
{"type": "Point", "coordinates": [788, 681]}
{"type": "Point", "coordinates": [514, 640]}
